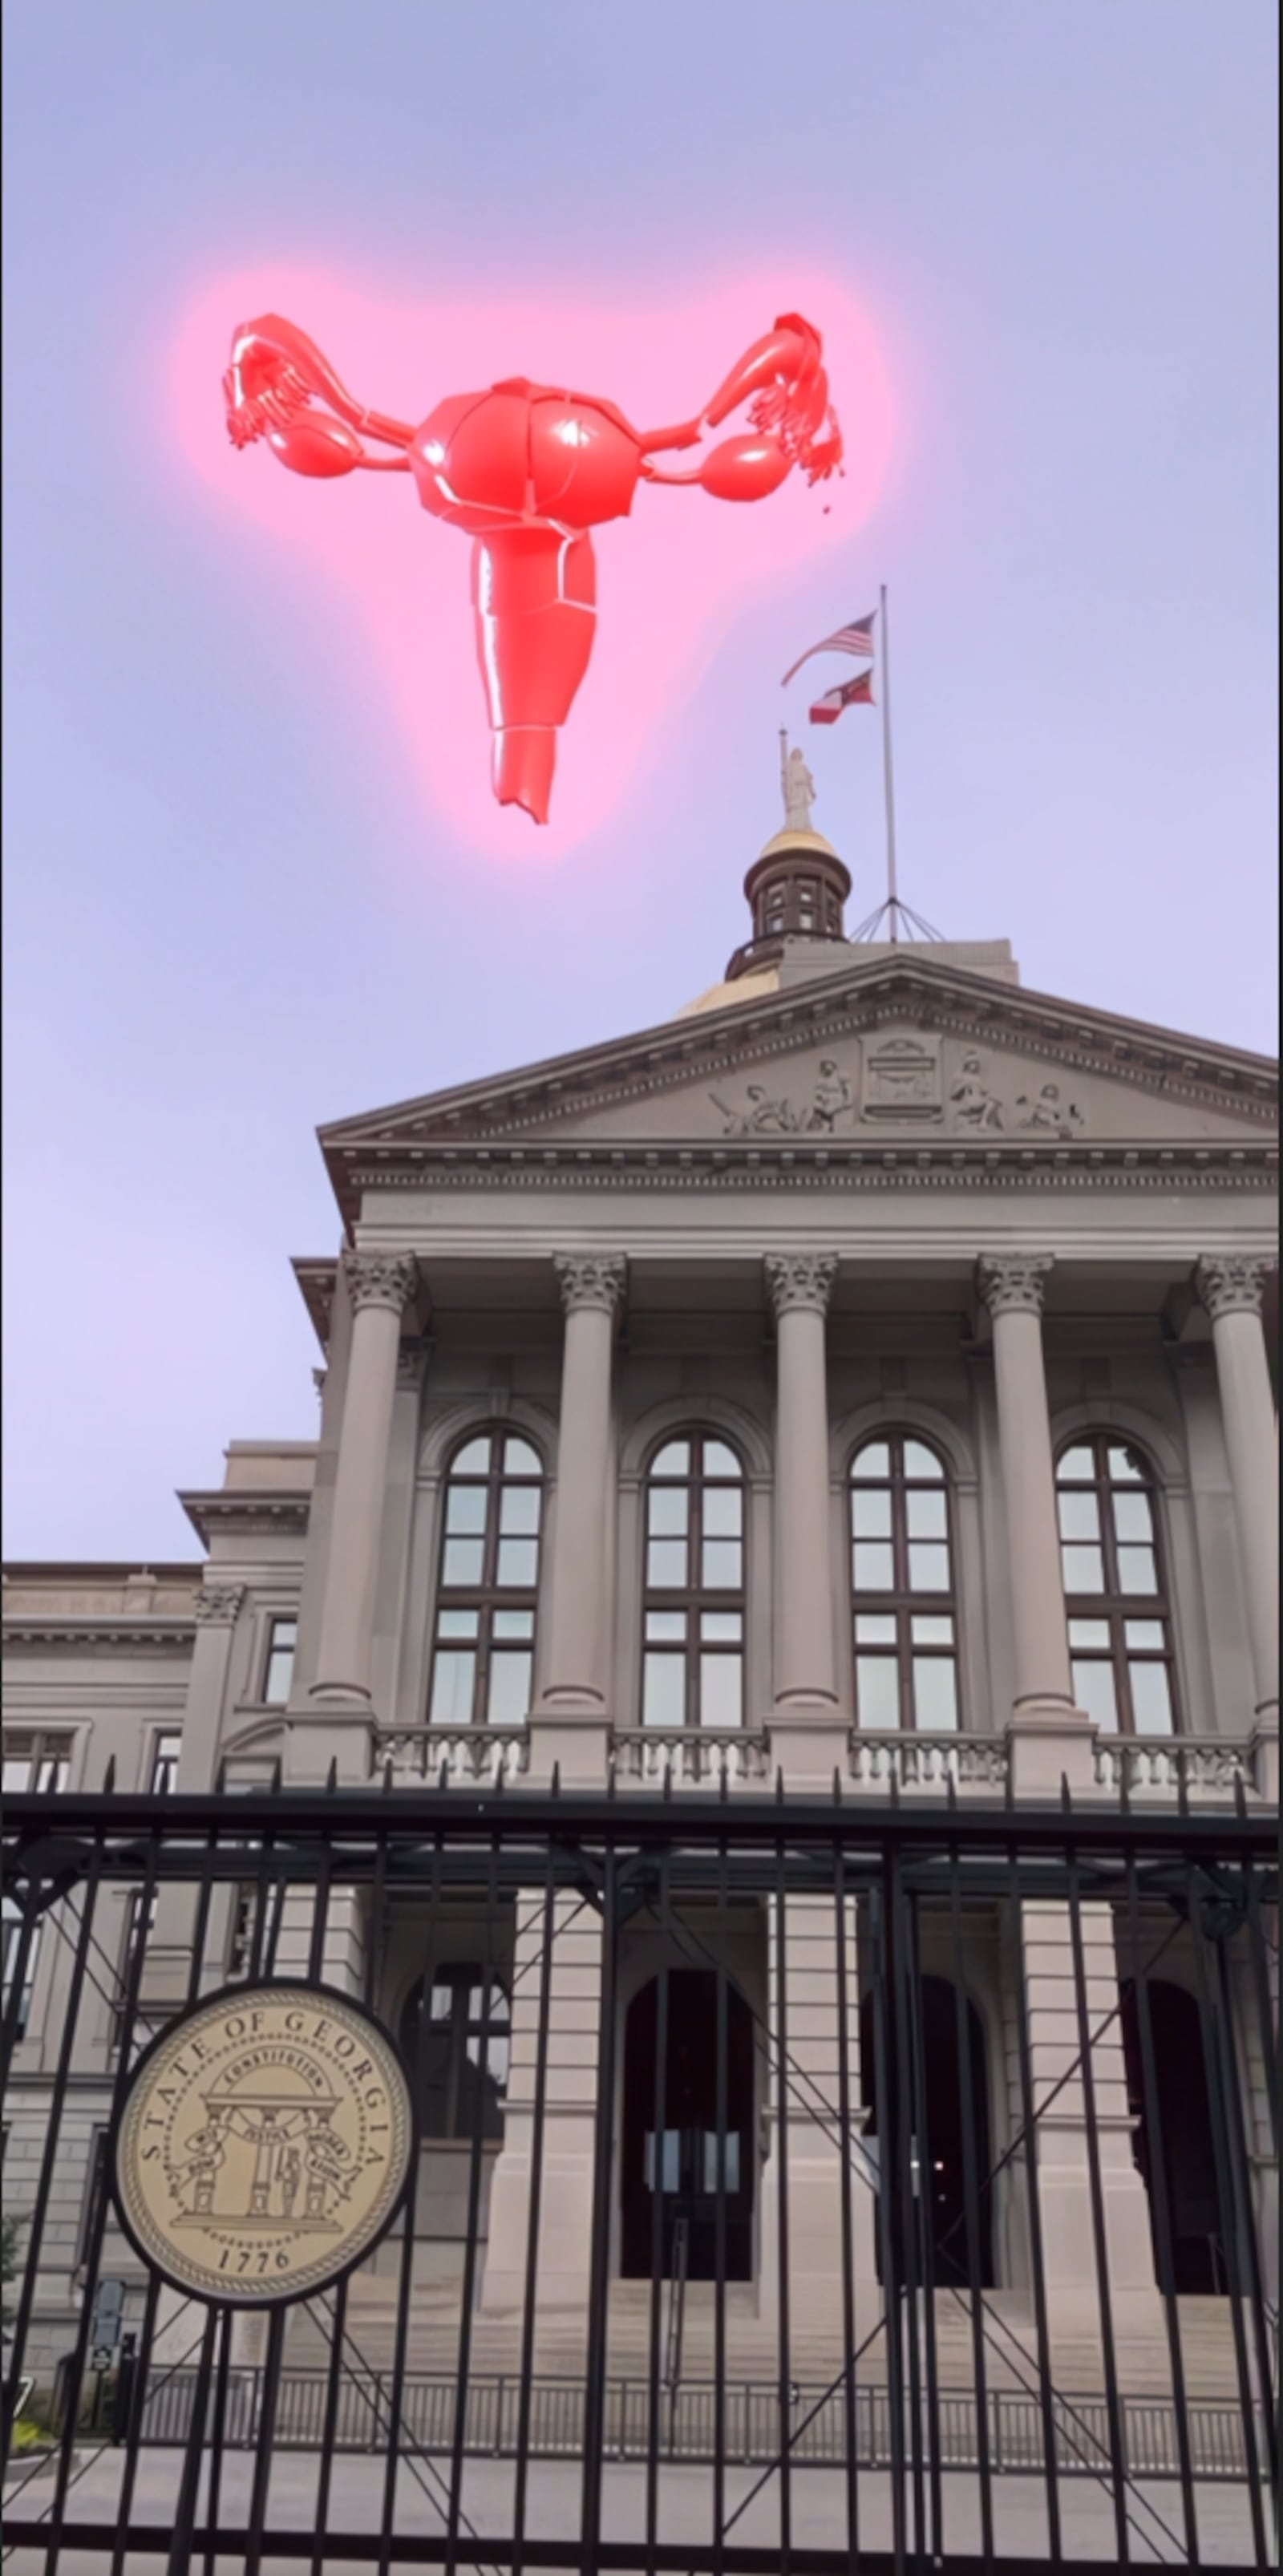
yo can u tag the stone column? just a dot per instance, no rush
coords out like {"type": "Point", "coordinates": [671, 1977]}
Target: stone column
{"type": "Point", "coordinates": [380, 1286]}
{"type": "Point", "coordinates": [1048, 1738]}
{"type": "Point", "coordinates": [805, 1712]}
{"type": "Point", "coordinates": [1232, 1290]}
{"type": "Point", "coordinates": [167, 1958]}
{"type": "Point", "coordinates": [571, 1718]}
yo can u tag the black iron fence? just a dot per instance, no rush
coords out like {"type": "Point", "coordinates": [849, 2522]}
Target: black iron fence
{"type": "Point", "coordinates": [1133, 2012]}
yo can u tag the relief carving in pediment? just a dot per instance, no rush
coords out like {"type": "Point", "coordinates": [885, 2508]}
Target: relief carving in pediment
{"type": "Point", "coordinates": [901, 1081]}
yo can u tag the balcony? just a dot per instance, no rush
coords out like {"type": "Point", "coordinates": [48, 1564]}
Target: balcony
{"type": "Point", "coordinates": [1154, 1771]}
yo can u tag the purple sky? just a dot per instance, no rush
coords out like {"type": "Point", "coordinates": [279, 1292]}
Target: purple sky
{"type": "Point", "coordinates": [228, 915]}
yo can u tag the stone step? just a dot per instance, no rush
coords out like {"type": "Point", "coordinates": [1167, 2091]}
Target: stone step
{"type": "Point", "coordinates": [752, 2348]}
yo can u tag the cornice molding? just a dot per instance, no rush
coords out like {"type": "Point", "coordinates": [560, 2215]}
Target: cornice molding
{"type": "Point", "coordinates": [251, 1515]}
{"type": "Point", "coordinates": [794, 1163]}
{"type": "Point", "coordinates": [21, 1629]}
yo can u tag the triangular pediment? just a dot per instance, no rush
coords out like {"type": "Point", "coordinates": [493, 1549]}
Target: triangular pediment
{"type": "Point", "coordinates": [892, 1052]}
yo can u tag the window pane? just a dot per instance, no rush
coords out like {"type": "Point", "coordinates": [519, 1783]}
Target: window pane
{"type": "Point", "coordinates": [1095, 1694]}
{"type": "Point", "coordinates": [721, 1461]}
{"type": "Point", "coordinates": [513, 1623]}
{"type": "Point", "coordinates": [518, 1562]}
{"type": "Point", "coordinates": [463, 1560]}
{"type": "Point", "coordinates": [663, 1689]}
{"type": "Point", "coordinates": [668, 1511]}
{"type": "Point", "coordinates": [519, 1509]}
{"type": "Point", "coordinates": [873, 1568]}
{"type": "Point", "coordinates": [1084, 1569]}
{"type": "Point", "coordinates": [872, 1464]}
{"type": "Point", "coordinates": [452, 1679]}
{"type": "Point", "coordinates": [927, 1515]}
{"type": "Point", "coordinates": [877, 1693]}
{"type": "Point", "coordinates": [1133, 1518]}
{"type": "Point", "coordinates": [16, 1776]}
{"type": "Point", "coordinates": [871, 1512]}
{"type": "Point", "coordinates": [928, 1567]}
{"type": "Point", "coordinates": [519, 1459]}
{"type": "Point", "coordinates": [935, 1695]}
{"type": "Point", "coordinates": [666, 1564]}
{"type": "Point", "coordinates": [472, 1461]}
{"type": "Point", "coordinates": [665, 1627]}
{"type": "Point", "coordinates": [673, 1460]}
{"type": "Point", "coordinates": [931, 1632]}
{"type": "Point", "coordinates": [510, 1686]}
{"type": "Point", "coordinates": [920, 1461]}
{"type": "Point", "coordinates": [730, 2160]}
{"type": "Point", "coordinates": [1077, 1467]}
{"type": "Point", "coordinates": [721, 1627]}
{"type": "Point", "coordinates": [1137, 1571]}
{"type": "Point", "coordinates": [465, 1508]}
{"type": "Point", "coordinates": [874, 1628]}
{"type": "Point", "coordinates": [1079, 1515]}
{"type": "Point", "coordinates": [1151, 1699]}
{"type": "Point", "coordinates": [723, 1564]}
{"type": "Point", "coordinates": [457, 1623]}
{"type": "Point", "coordinates": [724, 1511]}
{"type": "Point", "coordinates": [1145, 1636]}
{"type": "Point", "coordinates": [1125, 1468]}
{"type": "Point", "coordinates": [1090, 1633]}
{"type": "Point", "coordinates": [721, 1690]}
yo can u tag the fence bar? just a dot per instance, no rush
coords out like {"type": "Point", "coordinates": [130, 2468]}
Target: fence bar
{"type": "Point", "coordinates": [1161, 2212]}
{"type": "Point", "coordinates": [971, 2209]}
{"type": "Point", "coordinates": [529, 2311]}
{"type": "Point", "coordinates": [1100, 2245]}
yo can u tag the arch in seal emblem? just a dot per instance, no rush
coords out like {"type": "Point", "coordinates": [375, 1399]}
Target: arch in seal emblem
{"type": "Point", "coordinates": [265, 2144]}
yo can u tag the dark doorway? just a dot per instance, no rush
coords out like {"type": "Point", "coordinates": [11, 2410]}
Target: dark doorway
{"type": "Point", "coordinates": [1184, 2135]}
{"type": "Point", "coordinates": [942, 2188]}
{"type": "Point", "coordinates": [686, 2165]}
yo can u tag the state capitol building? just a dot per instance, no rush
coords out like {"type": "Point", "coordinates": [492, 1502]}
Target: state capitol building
{"type": "Point", "coordinates": [853, 1393]}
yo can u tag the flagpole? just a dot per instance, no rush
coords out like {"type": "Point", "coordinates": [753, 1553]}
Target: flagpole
{"type": "Point", "coordinates": [893, 902]}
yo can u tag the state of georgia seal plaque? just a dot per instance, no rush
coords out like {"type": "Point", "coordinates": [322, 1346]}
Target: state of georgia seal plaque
{"type": "Point", "coordinates": [264, 2145]}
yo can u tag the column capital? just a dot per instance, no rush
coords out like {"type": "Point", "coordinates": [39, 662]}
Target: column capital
{"type": "Point", "coordinates": [1013, 1282]}
{"type": "Point", "coordinates": [1232, 1283]}
{"type": "Point", "coordinates": [594, 1279]}
{"type": "Point", "coordinates": [802, 1279]}
{"type": "Point", "coordinates": [218, 1605]}
{"type": "Point", "coordinates": [381, 1279]}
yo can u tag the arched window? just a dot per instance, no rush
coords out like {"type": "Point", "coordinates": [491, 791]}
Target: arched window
{"type": "Point", "coordinates": [1120, 1633]}
{"type": "Point", "coordinates": [906, 1645]}
{"type": "Point", "coordinates": [693, 1654]}
{"type": "Point", "coordinates": [446, 2058]}
{"type": "Point", "coordinates": [484, 1649]}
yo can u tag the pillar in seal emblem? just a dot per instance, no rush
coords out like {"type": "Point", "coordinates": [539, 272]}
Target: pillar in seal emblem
{"type": "Point", "coordinates": [265, 2144]}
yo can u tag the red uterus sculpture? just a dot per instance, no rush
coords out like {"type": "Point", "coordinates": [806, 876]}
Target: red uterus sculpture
{"type": "Point", "coordinates": [527, 470]}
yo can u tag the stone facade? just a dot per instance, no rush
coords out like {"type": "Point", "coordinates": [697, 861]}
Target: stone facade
{"type": "Point", "coordinates": [880, 1196]}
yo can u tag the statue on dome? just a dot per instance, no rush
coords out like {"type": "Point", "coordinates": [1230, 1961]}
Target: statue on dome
{"type": "Point", "coordinates": [798, 786]}
{"type": "Point", "coordinates": [526, 470]}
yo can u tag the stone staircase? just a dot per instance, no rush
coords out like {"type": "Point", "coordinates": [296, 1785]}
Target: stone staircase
{"type": "Point", "coordinates": [752, 2347]}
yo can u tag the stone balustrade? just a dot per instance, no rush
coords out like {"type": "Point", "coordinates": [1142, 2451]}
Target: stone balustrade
{"type": "Point", "coordinates": [691, 1757]}
{"type": "Point", "coordinates": [929, 1762]}
{"type": "Point", "coordinates": [1158, 1766]}
{"type": "Point", "coordinates": [419, 1754]}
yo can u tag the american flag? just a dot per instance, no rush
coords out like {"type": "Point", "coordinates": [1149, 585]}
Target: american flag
{"type": "Point", "coordinates": [856, 638]}
{"type": "Point", "coordinates": [853, 693]}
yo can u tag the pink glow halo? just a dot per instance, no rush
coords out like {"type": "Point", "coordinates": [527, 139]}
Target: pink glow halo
{"type": "Point", "coordinates": [671, 578]}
